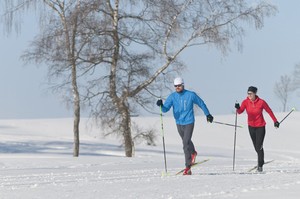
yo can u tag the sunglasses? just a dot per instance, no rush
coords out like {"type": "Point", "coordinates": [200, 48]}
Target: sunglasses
{"type": "Point", "coordinates": [250, 93]}
{"type": "Point", "coordinates": [179, 85]}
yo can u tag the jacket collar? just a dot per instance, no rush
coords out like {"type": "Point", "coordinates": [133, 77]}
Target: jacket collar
{"type": "Point", "coordinates": [256, 99]}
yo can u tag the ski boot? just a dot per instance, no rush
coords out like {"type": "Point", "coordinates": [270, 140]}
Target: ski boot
{"type": "Point", "coordinates": [193, 157]}
{"type": "Point", "coordinates": [187, 171]}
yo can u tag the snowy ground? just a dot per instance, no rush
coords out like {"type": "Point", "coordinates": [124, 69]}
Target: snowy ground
{"type": "Point", "coordinates": [36, 162]}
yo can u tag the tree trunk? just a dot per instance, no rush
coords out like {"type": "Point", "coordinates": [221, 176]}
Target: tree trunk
{"type": "Point", "coordinates": [120, 104]}
{"type": "Point", "coordinates": [76, 129]}
{"type": "Point", "coordinates": [76, 113]}
{"type": "Point", "coordinates": [284, 105]}
{"type": "Point", "coordinates": [126, 129]}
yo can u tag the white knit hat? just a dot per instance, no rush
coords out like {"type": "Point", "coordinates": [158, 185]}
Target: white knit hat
{"type": "Point", "coordinates": [178, 81]}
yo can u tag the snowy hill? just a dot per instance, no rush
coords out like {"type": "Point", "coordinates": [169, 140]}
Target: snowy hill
{"type": "Point", "coordinates": [36, 162]}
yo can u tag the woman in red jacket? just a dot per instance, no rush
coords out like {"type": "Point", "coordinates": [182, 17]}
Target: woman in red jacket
{"type": "Point", "coordinates": [256, 124]}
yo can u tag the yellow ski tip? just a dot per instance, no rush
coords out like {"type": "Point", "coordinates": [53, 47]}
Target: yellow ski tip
{"type": "Point", "coordinates": [293, 109]}
{"type": "Point", "coordinates": [164, 174]}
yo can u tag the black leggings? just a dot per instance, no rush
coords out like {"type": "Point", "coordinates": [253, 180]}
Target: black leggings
{"type": "Point", "coordinates": [257, 135]}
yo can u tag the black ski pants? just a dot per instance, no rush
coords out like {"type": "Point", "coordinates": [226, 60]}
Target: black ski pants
{"type": "Point", "coordinates": [186, 133]}
{"type": "Point", "coordinates": [257, 135]}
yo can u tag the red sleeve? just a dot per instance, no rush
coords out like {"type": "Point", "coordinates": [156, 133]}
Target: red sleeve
{"type": "Point", "coordinates": [269, 111]}
{"type": "Point", "coordinates": [242, 107]}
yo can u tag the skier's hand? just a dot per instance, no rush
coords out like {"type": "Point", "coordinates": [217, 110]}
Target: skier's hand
{"type": "Point", "coordinates": [237, 106]}
{"type": "Point", "coordinates": [276, 124]}
{"type": "Point", "coordinates": [209, 118]}
{"type": "Point", "coordinates": [159, 102]}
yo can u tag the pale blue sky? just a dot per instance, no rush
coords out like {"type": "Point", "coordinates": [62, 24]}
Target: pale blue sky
{"type": "Point", "coordinates": [220, 81]}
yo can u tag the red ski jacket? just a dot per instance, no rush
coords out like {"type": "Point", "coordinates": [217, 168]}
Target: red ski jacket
{"type": "Point", "coordinates": [254, 110]}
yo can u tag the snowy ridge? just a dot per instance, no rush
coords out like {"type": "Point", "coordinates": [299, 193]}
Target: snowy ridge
{"type": "Point", "coordinates": [36, 162]}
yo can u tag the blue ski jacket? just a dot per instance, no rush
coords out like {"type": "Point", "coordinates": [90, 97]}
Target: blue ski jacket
{"type": "Point", "coordinates": [183, 106]}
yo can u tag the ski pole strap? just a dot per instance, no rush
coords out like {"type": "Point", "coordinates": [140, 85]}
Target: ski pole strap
{"type": "Point", "coordinates": [287, 115]}
{"type": "Point", "coordinates": [227, 124]}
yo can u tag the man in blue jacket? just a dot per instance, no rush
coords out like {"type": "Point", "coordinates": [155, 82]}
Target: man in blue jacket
{"type": "Point", "coordinates": [183, 102]}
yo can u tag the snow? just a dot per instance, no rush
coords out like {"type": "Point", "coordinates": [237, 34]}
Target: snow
{"type": "Point", "coordinates": [36, 161]}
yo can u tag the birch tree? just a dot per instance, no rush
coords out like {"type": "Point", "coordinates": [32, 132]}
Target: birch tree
{"type": "Point", "coordinates": [296, 76]}
{"type": "Point", "coordinates": [58, 45]}
{"type": "Point", "coordinates": [283, 89]}
{"type": "Point", "coordinates": [144, 40]}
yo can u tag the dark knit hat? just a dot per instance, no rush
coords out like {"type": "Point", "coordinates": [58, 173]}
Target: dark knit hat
{"type": "Point", "coordinates": [252, 89]}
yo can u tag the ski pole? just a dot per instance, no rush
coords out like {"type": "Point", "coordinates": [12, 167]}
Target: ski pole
{"type": "Point", "coordinates": [163, 138]}
{"type": "Point", "coordinates": [227, 124]}
{"type": "Point", "coordinates": [287, 115]}
{"type": "Point", "coordinates": [234, 140]}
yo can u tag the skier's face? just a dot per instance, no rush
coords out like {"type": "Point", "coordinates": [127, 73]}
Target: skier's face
{"type": "Point", "coordinates": [179, 88]}
{"type": "Point", "coordinates": [251, 96]}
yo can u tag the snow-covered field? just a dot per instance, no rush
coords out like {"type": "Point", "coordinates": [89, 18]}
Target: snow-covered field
{"type": "Point", "coordinates": [36, 162]}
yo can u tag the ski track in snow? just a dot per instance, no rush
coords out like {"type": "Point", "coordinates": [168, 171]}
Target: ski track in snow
{"type": "Point", "coordinates": [209, 180]}
{"type": "Point", "coordinates": [41, 166]}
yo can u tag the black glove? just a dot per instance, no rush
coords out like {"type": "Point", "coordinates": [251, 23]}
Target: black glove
{"type": "Point", "coordinates": [159, 102]}
{"type": "Point", "coordinates": [276, 124]}
{"type": "Point", "coordinates": [237, 106]}
{"type": "Point", "coordinates": [209, 118]}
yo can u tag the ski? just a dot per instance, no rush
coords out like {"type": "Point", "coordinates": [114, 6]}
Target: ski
{"type": "Point", "coordinates": [195, 164]}
{"type": "Point", "coordinates": [252, 169]}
